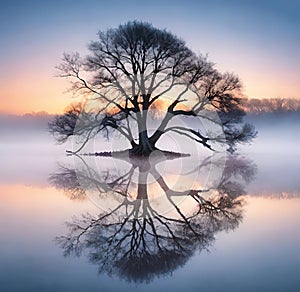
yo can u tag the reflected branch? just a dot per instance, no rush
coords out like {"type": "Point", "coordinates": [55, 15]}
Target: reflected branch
{"type": "Point", "coordinates": [136, 240]}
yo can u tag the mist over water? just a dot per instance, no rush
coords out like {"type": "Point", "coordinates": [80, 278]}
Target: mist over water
{"type": "Point", "coordinates": [277, 133]}
{"type": "Point", "coordinates": [25, 143]}
{"type": "Point", "coordinates": [276, 151]}
{"type": "Point", "coordinates": [264, 246]}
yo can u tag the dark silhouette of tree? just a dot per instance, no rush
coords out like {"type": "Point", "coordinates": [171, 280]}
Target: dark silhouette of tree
{"type": "Point", "coordinates": [136, 68]}
{"type": "Point", "coordinates": [136, 241]}
{"type": "Point", "coordinates": [65, 124]}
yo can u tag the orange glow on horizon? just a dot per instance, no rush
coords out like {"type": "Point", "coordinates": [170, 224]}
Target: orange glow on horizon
{"type": "Point", "coordinates": [23, 198]}
{"type": "Point", "coordinates": [33, 90]}
{"type": "Point", "coordinates": [26, 93]}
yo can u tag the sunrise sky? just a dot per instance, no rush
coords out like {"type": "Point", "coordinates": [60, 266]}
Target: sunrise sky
{"type": "Point", "coordinates": [258, 40]}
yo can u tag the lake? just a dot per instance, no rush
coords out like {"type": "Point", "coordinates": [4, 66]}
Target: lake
{"type": "Point", "coordinates": [212, 224]}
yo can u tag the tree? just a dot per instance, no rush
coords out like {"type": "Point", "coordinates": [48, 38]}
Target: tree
{"type": "Point", "coordinates": [136, 239]}
{"type": "Point", "coordinates": [137, 68]}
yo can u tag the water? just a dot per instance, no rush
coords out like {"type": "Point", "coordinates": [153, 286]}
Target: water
{"type": "Point", "coordinates": [256, 250]}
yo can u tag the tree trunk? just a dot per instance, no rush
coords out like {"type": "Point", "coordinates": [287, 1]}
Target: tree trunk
{"type": "Point", "coordinates": [144, 148]}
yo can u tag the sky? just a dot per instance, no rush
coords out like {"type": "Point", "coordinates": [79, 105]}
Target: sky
{"type": "Point", "coordinates": [257, 40]}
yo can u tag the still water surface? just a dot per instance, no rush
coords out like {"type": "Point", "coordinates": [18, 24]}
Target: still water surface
{"type": "Point", "coordinates": [260, 251]}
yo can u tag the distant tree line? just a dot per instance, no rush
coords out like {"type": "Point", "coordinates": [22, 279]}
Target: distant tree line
{"type": "Point", "coordinates": [266, 105]}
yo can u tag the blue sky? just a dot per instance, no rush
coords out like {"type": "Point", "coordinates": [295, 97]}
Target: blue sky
{"type": "Point", "coordinates": [258, 40]}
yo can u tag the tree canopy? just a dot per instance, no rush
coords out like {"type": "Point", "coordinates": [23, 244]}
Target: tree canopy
{"type": "Point", "coordinates": [136, 69]}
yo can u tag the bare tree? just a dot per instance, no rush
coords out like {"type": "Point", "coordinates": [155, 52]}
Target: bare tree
{"type": "Point", "coordinates": [138, 242]}
{"type": "Point", "coordinates": [131, 70]}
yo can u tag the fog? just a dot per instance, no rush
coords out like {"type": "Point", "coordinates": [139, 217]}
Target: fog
{"type": "Point", "coordinates": [33, 213]}
{"type": "Point", "coordinates": [276, 152]}
{"type": "Point", "coordinates": [28, 153]}
{"type": "Point", "coordinates": [277, 133]}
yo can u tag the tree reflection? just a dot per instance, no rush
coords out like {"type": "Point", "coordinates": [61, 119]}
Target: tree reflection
{"type": "Point", "coordinates": [138, 240]}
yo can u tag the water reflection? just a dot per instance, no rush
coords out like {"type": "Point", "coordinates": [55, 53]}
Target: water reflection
{"type": "Point", "coordinates": [150, 225]}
